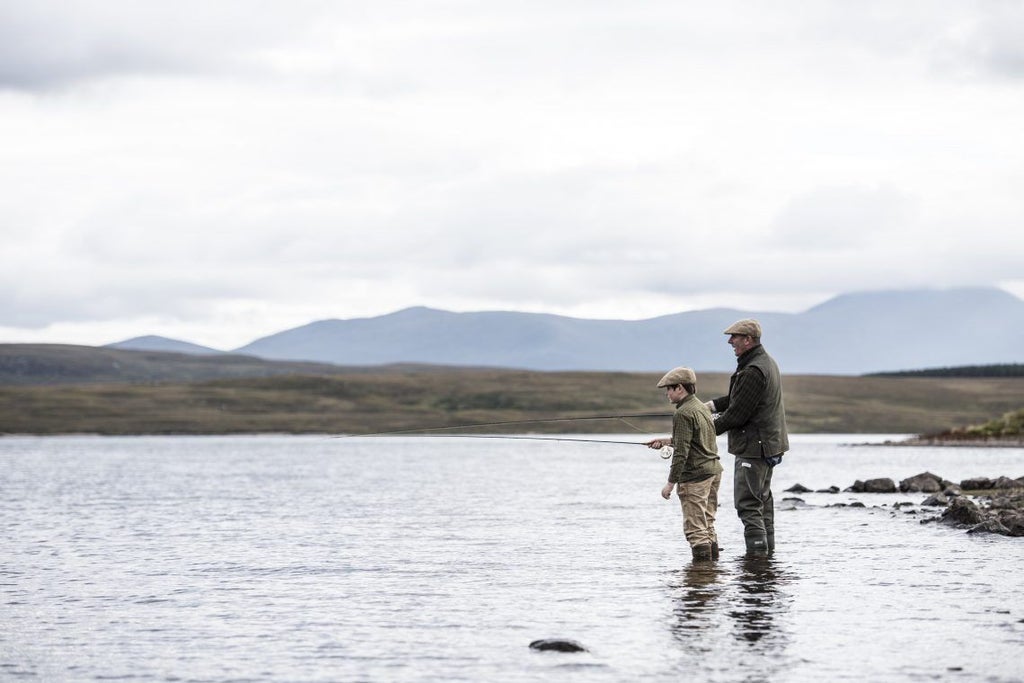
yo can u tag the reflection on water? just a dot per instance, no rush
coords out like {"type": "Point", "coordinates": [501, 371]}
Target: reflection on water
{"type": "Point", "coordinates": [760, 602]}
{"type": "Point", "coordinates": [698, 589]}
{"type": "Point", "coordinates": [731, 614]}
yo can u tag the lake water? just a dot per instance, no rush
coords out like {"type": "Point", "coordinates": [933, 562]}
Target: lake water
{"type": "Point", "coordinates": [283, 558]}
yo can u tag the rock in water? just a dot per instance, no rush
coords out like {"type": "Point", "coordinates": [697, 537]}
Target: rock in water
{"type": "Point", "coordinates": [962, 511]}
{"type": "Point", "coordinates": [881, 485]}
{"type": "Point", "coordinates": [926, 482]}
{"type": "Point", "coordinates": [976, 484]}
{"type": "Point", "coordinates": [1012, 521]}
{"type": "Point", "coordinates": [558, 645]}
{"type": "Point", "coordinates": [937, 500]}
{"type": "Point", "coordinates": [992, 526]}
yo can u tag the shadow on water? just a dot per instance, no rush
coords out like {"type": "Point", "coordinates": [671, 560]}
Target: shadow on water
{"type": "Point", "coordinates": [729, 617]}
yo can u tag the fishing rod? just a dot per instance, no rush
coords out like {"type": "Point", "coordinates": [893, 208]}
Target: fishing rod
{"type": "Point", "coordinates": [664, 451]}
{"type": "Point", "coordinates": [506, 423]}
{"type": "Point", "coordinates": [529, 438]}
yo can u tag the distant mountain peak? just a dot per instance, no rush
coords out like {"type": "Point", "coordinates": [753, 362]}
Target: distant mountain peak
{"type": "Point", "coordinates": [972, 295]}
{"type": "Point", "coordinates": [854, 333]}
{"type": "Point", "coordinates": [416, 312]}
{"type": "Point", "coordinates": [152, 342]}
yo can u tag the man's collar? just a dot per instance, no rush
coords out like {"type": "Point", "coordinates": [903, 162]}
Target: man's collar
{"type": "Point", "coordinates": [747, 355]}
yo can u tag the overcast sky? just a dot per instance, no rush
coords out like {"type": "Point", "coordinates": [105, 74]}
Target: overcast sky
{"type": "Point", "coordinates": [217, 171]}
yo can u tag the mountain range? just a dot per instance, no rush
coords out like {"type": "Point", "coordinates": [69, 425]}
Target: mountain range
{"type": "Point", "coordinates": [850, 334]}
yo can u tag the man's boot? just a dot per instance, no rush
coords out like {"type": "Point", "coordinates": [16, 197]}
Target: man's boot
{"type": "Point", "coordinates": [714, 550]}
{"type": "Point", "coordinates": [757, 544]}
{"type": "Point", "coordinates": [770, 540]}
{"type": "Point", "coordinates": [701, 553]}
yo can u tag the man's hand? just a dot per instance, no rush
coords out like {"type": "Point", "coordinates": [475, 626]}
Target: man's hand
{"type": "Point", "coordinates": [666, 490]}
{"type": "Point", "coordinates": [710, 405]}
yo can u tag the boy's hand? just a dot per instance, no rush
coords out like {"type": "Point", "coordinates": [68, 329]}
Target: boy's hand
{"type": "Point", "coordinates": [656, 444]}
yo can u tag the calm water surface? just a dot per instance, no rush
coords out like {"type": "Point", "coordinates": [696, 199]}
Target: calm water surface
{"type": "Point", "coordinates": [411, 559]}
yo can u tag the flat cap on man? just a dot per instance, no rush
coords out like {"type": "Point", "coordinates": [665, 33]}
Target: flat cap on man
{"type": "Point", "coordinates": [747, 326]}
{"type": "Point", "coordinates": [678, 375]}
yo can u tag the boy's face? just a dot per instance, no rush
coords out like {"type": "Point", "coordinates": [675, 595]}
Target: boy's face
{"type": "Point", "coordinates": [675, 393]}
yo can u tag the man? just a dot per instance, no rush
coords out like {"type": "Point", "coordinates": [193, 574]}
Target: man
{"type": "Point", "coordinates": [696, 471]}
{"type": "Point", "coordinates": [754, 416]}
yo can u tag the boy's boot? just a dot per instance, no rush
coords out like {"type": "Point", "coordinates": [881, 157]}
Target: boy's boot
{"type": "Point", "coordinates": [702, 552]}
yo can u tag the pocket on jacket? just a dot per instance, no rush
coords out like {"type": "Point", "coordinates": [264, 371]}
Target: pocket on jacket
{"type": "Point", "coordinates": [739, 443]}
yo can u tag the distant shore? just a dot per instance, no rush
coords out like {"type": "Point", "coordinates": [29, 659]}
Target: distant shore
{"type": "Point", "coordinates": [47, 389]}
{"type": "Point", "coordinates": [947, 442]}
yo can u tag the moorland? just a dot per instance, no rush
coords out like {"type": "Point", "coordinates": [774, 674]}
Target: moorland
{"type": "Point", "coordinates": [51, 389]}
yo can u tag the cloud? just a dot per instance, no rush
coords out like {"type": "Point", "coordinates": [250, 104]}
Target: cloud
{"type": "Point", "coordinates": [828, 218]}
{"type": "Point", "coordinates": [388, 47]}
{"type": "Point", "coordinates": [257, 163]}
{"type": "Point", "coordinates": [987, 44]}
{"type": "Point", "coordinates": [48, 44]}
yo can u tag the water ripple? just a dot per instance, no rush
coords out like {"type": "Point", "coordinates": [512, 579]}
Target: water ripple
{"type": "Point", "coordinates": [292, 559]}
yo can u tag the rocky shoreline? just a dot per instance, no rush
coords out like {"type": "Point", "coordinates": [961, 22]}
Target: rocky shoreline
{"type": "Point", "coordinates": [978, 505]}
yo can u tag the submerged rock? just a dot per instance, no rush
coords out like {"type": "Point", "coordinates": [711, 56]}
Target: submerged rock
{"type": "Point", "coordinates": [557, 645]}
{"type": "Point", "coordinates": [830, 489]}
{"type": "Point", "coordinates": [798, 488]}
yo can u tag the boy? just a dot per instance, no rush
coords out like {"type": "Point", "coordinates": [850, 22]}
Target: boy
{"type": "Point", "coordinates": [696, 471]}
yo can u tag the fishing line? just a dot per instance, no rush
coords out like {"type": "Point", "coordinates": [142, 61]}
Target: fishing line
{"type": "Point", "coordinates": [630, 424]}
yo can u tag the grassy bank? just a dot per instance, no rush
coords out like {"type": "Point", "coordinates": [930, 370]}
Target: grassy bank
{"type": "Point", "coordinates": [390, 399]}
{"type": "Point", "coordinates": [1007, 430]}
